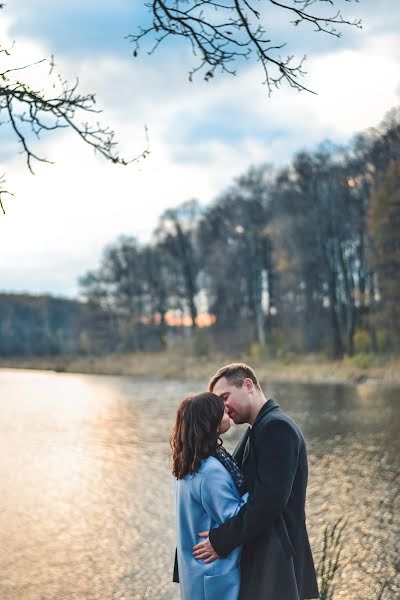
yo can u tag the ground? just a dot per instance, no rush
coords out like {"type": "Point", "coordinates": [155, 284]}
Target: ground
{"type": "Point", "coordinates": [178, 364]}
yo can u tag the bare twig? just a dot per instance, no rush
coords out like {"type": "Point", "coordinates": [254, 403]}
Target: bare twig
{"type": "Point", "coordinates": [3, 192]}
{"type": "Point", "coordinates": [223, 31]}
{"type": "Point", "coordinates": [29, 111]}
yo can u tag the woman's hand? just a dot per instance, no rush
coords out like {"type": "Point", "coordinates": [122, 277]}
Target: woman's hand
{"type": "Point", "coordinates": [203, 550]}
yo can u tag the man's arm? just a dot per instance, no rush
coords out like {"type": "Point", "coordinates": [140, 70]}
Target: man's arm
{"type": "Point", "coordinates": [277, 456]}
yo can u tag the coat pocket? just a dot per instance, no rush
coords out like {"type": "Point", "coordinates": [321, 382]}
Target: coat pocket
{"type": "Point", "coordinates": [222, 587]}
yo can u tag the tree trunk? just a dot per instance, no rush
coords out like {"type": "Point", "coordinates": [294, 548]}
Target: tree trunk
{"type": "Point", "coordinates": [337, 344]}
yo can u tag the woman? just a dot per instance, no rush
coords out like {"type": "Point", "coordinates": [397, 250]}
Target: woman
{"type": "Point", "coordinates": [209, 489]}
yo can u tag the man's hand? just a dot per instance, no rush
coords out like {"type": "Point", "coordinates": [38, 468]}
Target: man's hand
{"type": "Point", "coordinates": [203, 550]}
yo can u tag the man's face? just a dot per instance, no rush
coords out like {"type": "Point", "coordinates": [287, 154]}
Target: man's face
{"type": "Point", "coordinates": [236, 400]}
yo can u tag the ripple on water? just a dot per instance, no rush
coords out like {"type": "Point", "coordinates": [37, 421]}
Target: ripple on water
{"type": "Point", "coordinates": [87, 504]}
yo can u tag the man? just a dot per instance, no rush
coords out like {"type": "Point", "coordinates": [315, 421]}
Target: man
{"type": "Point", "coordinates": [276, 561]}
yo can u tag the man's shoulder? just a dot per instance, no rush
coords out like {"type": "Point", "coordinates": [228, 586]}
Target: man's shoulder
{"type": "Point", "coordinates": [278, 418]}
{"type": "Point", "coordinates": [276, 414]}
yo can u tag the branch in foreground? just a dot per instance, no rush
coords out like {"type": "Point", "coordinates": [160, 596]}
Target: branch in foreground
{"type": "Point", "coordinates": [222, 31]}
{"type": "Point", "coordinates": [3, 192]}
{"type": "Point", "coordinates": [30, 112]}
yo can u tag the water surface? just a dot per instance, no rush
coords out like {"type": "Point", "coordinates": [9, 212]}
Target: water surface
{"type": "Point", "coordinates": [86, 509]}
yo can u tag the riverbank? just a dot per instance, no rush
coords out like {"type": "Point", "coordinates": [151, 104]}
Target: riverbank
{"type": "Point", "coordinates": [176, 364]}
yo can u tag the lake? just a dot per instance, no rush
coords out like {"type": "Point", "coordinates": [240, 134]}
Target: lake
{"type": "Point", "coordinates": [86, 507]}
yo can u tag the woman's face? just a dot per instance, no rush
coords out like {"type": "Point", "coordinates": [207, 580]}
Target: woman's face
{"type": "Point", "coordinates": [225, 423]}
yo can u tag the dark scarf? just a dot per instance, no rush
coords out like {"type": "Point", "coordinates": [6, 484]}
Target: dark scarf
{"type": "Point", "coordinates": [230, 465]}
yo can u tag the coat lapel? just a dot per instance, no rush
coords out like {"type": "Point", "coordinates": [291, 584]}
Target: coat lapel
{"type": "Point", "coordinates": [242, 451]}
{"type": "Point", "coordinates": [265, 409]}
{"type": "Point", "coordinates": [246, 452]}
{"type": "Point", "coordinates": [242, 448]}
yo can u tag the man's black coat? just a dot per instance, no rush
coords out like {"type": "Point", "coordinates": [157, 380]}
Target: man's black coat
{"type": "Point", "coordinates": [276, 561]}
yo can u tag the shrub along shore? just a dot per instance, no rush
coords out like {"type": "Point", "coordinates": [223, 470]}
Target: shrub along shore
{"type": "Point", "coordinates": [176, 364]}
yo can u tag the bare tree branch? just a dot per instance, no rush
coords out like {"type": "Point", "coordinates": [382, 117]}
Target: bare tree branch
{"type": "Point", "coordinates": [222, 32]}
{"type": "Point", "coordinates": [41, 112]}
{"type": "Point", "coordinates": [29, 112]}
{"type": "Point", "coordinates": [3, 192]}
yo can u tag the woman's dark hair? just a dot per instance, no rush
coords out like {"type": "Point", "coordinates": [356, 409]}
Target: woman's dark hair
{"type": "Point", "coordinates": [195, 433]}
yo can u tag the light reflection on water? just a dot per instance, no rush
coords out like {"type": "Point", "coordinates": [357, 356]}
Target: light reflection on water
{"type": "Point", "coordinates": [86, 510]}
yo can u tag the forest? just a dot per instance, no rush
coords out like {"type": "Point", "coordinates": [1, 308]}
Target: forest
{"type": "Point", "coordinates": [304, 258]}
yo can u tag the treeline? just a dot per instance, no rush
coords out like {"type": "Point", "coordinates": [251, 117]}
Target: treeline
{"type": "Point", "coordinates": [305, 258]}
{"type": "Point", "coordinates": [42, 325]}
{"type": "Point", "coordinates": [301, 259]}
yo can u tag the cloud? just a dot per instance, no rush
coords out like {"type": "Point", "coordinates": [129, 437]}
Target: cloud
{"type": "Point", "coordinates": [201, 136]}
{"type": "Point", "coordinates": [354, 90]}
{"type": "Point", "coordinates": [76, 28]}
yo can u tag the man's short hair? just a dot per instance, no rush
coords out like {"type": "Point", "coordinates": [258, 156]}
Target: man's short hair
{"type": "Point", "coordinates": [235, 374]}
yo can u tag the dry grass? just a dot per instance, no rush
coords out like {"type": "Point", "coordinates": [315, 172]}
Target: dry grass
{"type": "Point", "coordinates": [179, 364]}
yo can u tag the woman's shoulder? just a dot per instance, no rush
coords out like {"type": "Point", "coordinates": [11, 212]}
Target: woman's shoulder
{"type": "Point", "coordinates": [212, 466]}
{"type": "Point", "coordinates": [216, 477]}
{"type": "Point", "coordinates": [208, 465]}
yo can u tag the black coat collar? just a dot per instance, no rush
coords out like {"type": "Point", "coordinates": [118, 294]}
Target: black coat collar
{"type": "Point", "coordinates": [266, 408]}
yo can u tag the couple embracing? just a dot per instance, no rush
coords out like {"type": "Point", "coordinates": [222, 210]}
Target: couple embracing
{"type": "Point", "coordinates": [241, 526]}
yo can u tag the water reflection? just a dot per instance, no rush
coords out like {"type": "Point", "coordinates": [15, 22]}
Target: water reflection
{"type": "Point", "coordinates": [86, 505]}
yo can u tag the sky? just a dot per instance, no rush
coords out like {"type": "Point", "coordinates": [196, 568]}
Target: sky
{"type": "Point", "coordinates": [201, 135]}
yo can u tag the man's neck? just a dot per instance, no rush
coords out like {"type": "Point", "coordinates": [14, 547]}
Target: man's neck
{"type": "Point", "coordinates": [256, 407]}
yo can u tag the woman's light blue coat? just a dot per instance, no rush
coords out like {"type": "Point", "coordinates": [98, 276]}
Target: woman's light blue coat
{"type": "Point", "coordinates": [204, 501]}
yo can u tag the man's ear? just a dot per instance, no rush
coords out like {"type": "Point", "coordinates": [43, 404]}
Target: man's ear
{"type": "Point", "coordinates": [248, 384]}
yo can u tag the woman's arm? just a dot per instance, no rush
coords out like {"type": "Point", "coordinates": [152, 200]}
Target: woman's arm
{"type": "Point", "coordinates": [218, 494]}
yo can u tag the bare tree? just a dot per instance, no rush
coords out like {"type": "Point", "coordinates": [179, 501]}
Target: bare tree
{"type": "Point", "coordinates": [222, 31]}
{"type": "Point", "coordinates": [237, 254]}
{"type": "Point", "coordinates": [29, 112]}
{"type": "Point", "coordinates": [176, 236]}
